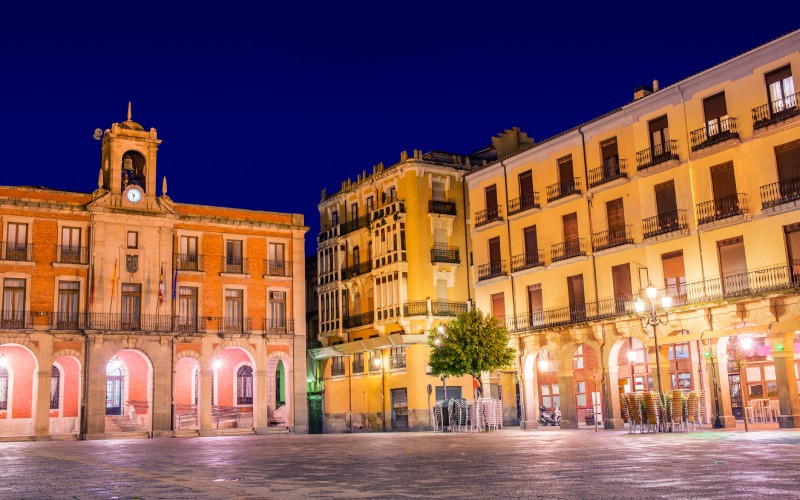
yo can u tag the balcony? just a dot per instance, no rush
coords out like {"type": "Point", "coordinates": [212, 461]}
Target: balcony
{"type": "Point", "coordinates": [397, 361]}
{"type": "Point", "coordinates": [354, 225]}
{"type": "Point", "coordinates": [19, 252]}
{"type": "Point", "coordinates": [189, 262]}
{"type": "Point", "coordinates": [664, 223]}
{"type": "Point", "coordinates": [189, 324]}
{"type": "Point", "coordinates": [614, 237]}
{"type": "Point", "coordinates": [527, 260]}
{"type": "Point", "coordinates": [358, 366]}
{"type": "Point", "coordinates": [278, 326]}
{"type": "Point", "coordinates": [563, 189]}
{"type": "Point", "coordinates": [415, 308]}
{"type": "Point", "coordinates": [16, 320]}
{"type": "Point", "coordinates": [491, 214]}
{"type": "Point", "coordinates": [492, 270]}
{"type": "Point", "coordinates": [523, 203]}
{"type": "Point", "coordinates": [779, 193]}
{"type": "Point", "coordinates": [442, 207]}
{"type": "Point", "coordinates": [722, 208]}
{"type": "Point", "coordinates": [357, 270]}
{"type": "Point", "coordinates": [444, 253]}
{"type": "Point", "coordinates": [65, 254]}
{"type": "Point", "coordinates": [610, 171]}
{"type": "Point", "coordinates": [337, 367]}
{"type": "Point", "coordinates": [447, 307]}
{"type": "Point", "coordinates": [234, 325]}
{"type": "Point", "coordinates": [775, 112]}
{"type": "Point", "coordinates": [358, 320]}
{"type": "Point", "coordinates": [126, 322]}
{"type": "Point", "coordinates": [716, 132]}
{"type": "Point", "coordinates": [568, 249]}
{"type": "Point", "coordinates": [234, 265]}
{"type": "Point", "coordinates": [657, 154]}
{"type": "Point", "coordinates": [280, 268]}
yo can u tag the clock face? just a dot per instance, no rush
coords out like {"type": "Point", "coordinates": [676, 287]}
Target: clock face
{"type": "Point", "coordinates": [134, 195]}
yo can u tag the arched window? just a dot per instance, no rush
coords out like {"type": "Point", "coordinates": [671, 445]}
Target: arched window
{"type": "Point", "coordinates": [3, 388]}
{"type": "Point", "coordinates": [55, 379]}
{"type": "Point", "coordinates": [244, 385]}
{"type": "Point", "coordinates": [280, 385]}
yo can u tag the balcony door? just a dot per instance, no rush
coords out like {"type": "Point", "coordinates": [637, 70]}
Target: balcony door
{"type": "Point", "coordinates": [13, 303]}
{"type": "Point", "coordinates": [780, 86]}
{"type": "Point", "coordinates": [659, 136]}
{"type": "Point", "coordinates": [277, 309]}
{"type": "Point", "coordinates": [495, 262]}
{"type": "Point", "coordinates": [535, 304]}
{"type": "Point", "coordinates": [793, 250]}
{"type": "Point", "coordinates": [565, 173]}
{"type": "Point", "coordinates": [666, 205]}
{"type": "Point", "coordinates": [733, 266]}
{"type": "Point", "coordinates": [16, 241]}
{"type": "Point", "coordinates": [234, 308]}
{"type": "Point", "coordinates": [616, 221]}
{"type": "Point", "coordinates": [131, 306]}
{"type": "Point", "coordinates": [723, 182]}
{"type": "Point", "coordinates": [187, 308]}
{"type": "Point", "coordinates": [623, 294]}
{"type": "Point", "coordinates": [610, 154]}
{"type": "Point", "coordinates": [716, 114]}
{"type": "Point", "coordinates": [577, 301]}
{"type": "Point", "coordinates": [437, 191]}
{"type": "Point", "coordinates": [571, 243]}
{"type": "Point", "coordinates": [787, 159]}
{"type": "Point", "coordinates": [531, 246]}
{"type": "Point", "coordinates": [67, 304]}
{"type": "Point", "coordinates": [491, 202]}
{"type": "Point", "coordinates": [233, 256]}
{"type": "Point", "coordinates": [674, 276]}
{"type": "Point", "coordinates": [276, 259]}
{"type": "Point", "coordinates": [188, 253]}
{"type": "Point", "coordinates": [70, 245]}
{"type": "Point", "coordinates": [525, 190]}
{"type": "Point", "coordinates": [499, 307]}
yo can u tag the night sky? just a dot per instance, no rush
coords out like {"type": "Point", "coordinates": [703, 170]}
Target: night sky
{"type": "Point", "coordinates": [261, 110]}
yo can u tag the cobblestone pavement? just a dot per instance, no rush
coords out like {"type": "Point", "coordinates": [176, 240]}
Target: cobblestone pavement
{"type": "Point", "coordinates": [506, 464]}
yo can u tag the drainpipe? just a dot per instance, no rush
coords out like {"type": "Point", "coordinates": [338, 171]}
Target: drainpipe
{"type": "Point", "coordinates": [466, 237]}
{"type": "Point", "coordinates": [508, 232]}
{"type": "Point", "coordinates": [84, 397]}
{"type": "Point", "coordinates": [589, 211]}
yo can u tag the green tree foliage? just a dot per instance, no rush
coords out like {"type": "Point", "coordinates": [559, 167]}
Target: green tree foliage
{"type": "Point", "coordinates": [470, 344]}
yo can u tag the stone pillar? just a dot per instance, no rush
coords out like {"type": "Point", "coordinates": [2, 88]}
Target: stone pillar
{"type": "Point", "coordinates": [612, 412]}
{"type": "Point", "coordinates": [486, 385]}
{"type": "Point", "coordinates": [206, 379]}
{"type": "Point", "coordinates": [162, 379]}
{"type": "Point", "coordinates": [96, 394]}
{"type": "Point", "coordinates": [722, 398]}
{"type": "Point", "coordinates": [299, 398]}
{"type": "Point", "coordinates": [530, 396]}
{"type": "Point", "coordinates": [41, 426]}
{"type": "Point", "coordinates": [261, 381]}
{"type": "Point", "coordinates": [566, 389]}
{"type": "Point", "coordinates": [787, 380]}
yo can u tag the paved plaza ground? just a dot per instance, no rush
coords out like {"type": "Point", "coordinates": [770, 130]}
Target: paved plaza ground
{"type": "Point", "coordinates": [508, 464]}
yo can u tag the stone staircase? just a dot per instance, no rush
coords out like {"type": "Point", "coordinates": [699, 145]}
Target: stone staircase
{"type": "Point", "coordinates": [121, 427]}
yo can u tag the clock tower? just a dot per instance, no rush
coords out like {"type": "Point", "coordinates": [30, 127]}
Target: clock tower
{"type": "Point", "coordinates": [128, 165]}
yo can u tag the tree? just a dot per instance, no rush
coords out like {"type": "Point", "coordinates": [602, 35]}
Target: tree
{"type": "Point", "coordinates": [468, 345]}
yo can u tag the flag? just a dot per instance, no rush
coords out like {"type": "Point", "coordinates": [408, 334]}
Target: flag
{"type": "Point", "coordinates": [91, 286]}
{"type": "Point", "coordinates": [174, 283]}
{"type": "Point", "coordinates": [161, 285]}
{"type": "Point", "coordinates": [114, 282]}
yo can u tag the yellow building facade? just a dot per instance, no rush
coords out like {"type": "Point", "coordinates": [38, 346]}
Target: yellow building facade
{"type": "Point", "coordinates": [692, 188]}
{"type": "Point", "coordinates": [392, 265]}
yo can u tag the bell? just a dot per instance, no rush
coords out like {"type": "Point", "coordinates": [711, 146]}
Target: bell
{"type": "Point", "coordinates": [127, 165]}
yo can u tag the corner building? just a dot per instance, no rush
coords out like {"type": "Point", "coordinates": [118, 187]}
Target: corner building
{"type": "Point", "coordinates": [693, 188]}
{"type": "Point", "coordinates": [127, 314]}
{"type": "Point", "coordinates": [392, 261]}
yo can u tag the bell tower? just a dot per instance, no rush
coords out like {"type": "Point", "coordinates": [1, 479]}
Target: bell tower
{"type": "Point", "coordinates": [128, 163]}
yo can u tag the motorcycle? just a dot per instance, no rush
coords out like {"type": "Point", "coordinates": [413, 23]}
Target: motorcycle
{"type": "Point", "coordinates": [549, 417]}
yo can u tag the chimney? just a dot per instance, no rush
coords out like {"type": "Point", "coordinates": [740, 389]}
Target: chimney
{"type": "Point", "coordinates": [655, 85]}
{"type": "Point", "coordinates": [643, 91]}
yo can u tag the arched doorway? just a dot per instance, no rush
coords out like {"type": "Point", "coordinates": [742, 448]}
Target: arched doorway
{"type": "Point", "coordinates": [65, 395]}
{"type": "Point", "coordinates": [530, 392]}
{"type": "Point", "coordinates": [280, 386]}
{"type": "Point", "coordinates": [129, 388]}
{"type": "Point", "coordinates": [115, 386]}
{"type": "Point", "coordinates": [233, 388]}
{"type": "Point", "coordinates": [18, 389]}
{"type": "Point", "coordinates": [588, 386]}
{"type": "Point", "coordinates": [279, 391]}
{"type": "Point", "coordinates": [186, 393]}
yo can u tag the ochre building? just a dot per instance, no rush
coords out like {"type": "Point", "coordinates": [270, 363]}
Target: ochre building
{"type": "Point", "coordinates": [693, 188]}
{"type": "Point", "coordinates": [125, 313]}
{"type": "Point", "coordinates": [392, 264]}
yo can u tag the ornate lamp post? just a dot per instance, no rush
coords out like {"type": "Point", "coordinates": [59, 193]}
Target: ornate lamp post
{"type": "Point", "coordinates": [651, 315]}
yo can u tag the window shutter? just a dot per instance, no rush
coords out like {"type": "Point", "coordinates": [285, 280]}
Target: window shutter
{"type": "Point", "coordinates": [731, 256]}
{"type": "Point", "coordinates": [498, 306]}
{"type": "Point", "coordinates": [525, 184]}
{"type": "Point", "coordinates": [491, 197]}
{"type": "Point", "coordinates": [494, 250]}
{"type": "Point", "coordinates": [787, 156]}
{"type": "Point", "coordinates": [531, 240]}
{"type": "Point", "coordinates": [714, 107]}
{"type": "Point", "coordinates": [723, 181]}
{"type": "Point", "coordinates": [575, 290]}
{"type": "Point", "coordinates": [672, 265]}
{"type": "Point", "coordinates": [778, 75]}
{"type": "Point", "coordinates": [616, 214]}
{"type": "Point", "coordinates": [570, 227]}
{"type": "Point", "coordinates": [565, 173]}
{"type": "Point", "coordinates": [658, 124]}
{"type": "Point", "coordinates": [665, 197]}
{"type": "Point", "coordinates": [535, 297]}
{"type": "Point", "coordinates": [608, 149]}
{"type": "Point", "coordinates": [621, 277]}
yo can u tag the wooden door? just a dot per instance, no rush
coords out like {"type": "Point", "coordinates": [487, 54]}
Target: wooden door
{"type": "Point", "coordinates": [733, 266]}
{"type": "Point", "coordinates": [674, 275]}
{"type": "Point", "coordinates": [494, 253]}
{"type": "Point", "coordinates": [621, 278]}
{"type": "Point", "coordinates": [531, 245]}
{"type": "Point", "coordinates": [616, 221]}
{"type": "Point", "coordinates": [577, 302]}
{"type": "Point", "coordinates": [535, 304]}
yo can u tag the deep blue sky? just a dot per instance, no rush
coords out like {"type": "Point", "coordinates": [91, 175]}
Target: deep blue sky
{"type": "Point", "coordinates": [263, 109]}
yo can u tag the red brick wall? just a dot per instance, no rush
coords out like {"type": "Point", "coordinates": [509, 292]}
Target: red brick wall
{"type": "Point", "coordinates": [226, 376]}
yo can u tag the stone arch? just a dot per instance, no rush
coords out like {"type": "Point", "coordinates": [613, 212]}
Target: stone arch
{"type": "Point", "coordinates": [21, 413]}
{"type": "Point", "coordinates": [530, 392]}
{"type": "Point", "coordinates": [187, 353]}
{"type": "Point", "coordinates": [67, 419]}
{"type": "Point", "coordinates": [271, 367]}
{"type": "Point", "coordinates": [134, 389]}
{"type": "Point", "coordinates": [69, 352]}
{"type": "Point", "coordinates": [233, 343]}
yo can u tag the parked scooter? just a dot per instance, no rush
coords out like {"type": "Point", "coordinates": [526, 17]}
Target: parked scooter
{"type": "Point", "coordinates": [549, 417]}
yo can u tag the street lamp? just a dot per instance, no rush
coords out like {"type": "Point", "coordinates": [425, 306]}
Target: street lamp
{"type": "Point", "coordinates": [650, 315]}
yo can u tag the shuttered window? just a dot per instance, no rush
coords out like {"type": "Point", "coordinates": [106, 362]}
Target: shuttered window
{"type": "Point", "coordinates": [665, 198]}
{"type": "Point", "coordinates": [498, 306]}
{"type": "Point", "coordinates": [778, 75]}
{"type": "Point", "coordinates": [714, 107]}
{"type": "Point", "coordinates": [438, 190]}
{"type": "Point", "coordinates": [731, 256]}
{"type": "Point", "coordinates": [659, 133]}
{"type": "Point", "coordinates": [621, 277]}
{"type": "Point", "coordinates": [491, 197]}
{"type": "Point", "coordinates": [535, 302]}
{"type": "Point", "coordinates": [723, 181]}
{"type": "Point", "coordinates": [494, 251]}
{"type": "Point", "coordinates": [441, 289]}
{"type": "Point", "coordinates": [793, 249]}
{"type": "Point", "coordinates": [608, 149]}
{"type": "Point", "coordinates": [787, 157]}
{"type": "Point", "coordinates": [531, 240]}
{"type": "Point", "coordinates": [570, 227]}
{"type": "Point", "coordinates": [565, 169]}
{"type": "Point", "coordinates": [576, 299]}
{"type": "Point", "coordinates": [526, 184]}
{"type": "Point", "coordinates": [674, 273]}
{"type": "Point", "coordinates": [616, 215]}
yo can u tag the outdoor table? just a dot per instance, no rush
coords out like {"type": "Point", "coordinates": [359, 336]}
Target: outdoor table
{"type": "Point", "coordinates": [759, 407]}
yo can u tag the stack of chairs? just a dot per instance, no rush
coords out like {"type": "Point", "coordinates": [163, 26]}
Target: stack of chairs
{"type": "Point", "coordinates": [490, 412]}
{"type": "Point", "coordinates": [437, 416]}
{"type": "Point", "coordinates": [693, 411]}
{"type": "Point", "coordinates": [478, 418]}
{"type": "Point", "coordinates": [702, 409]}
{"type": "Point", "coordinates": [676, 420]}
{"type": "Point", "coordinates": [652, 417]}
{"type": "Point", "coordinates": [633, 409]}
{"type": "Point", "coordinates": [499, 407]}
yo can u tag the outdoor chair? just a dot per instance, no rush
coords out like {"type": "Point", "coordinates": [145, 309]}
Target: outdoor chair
{"type": "Point", "coordinates": [634, 412]}
{"type": "Point", "coordinates": [773, 410]}
{"type": "Point", "coordinates": [676, 413]}
{"type": "Point", "coordinates": [693, 411]}
{"type": "Point", "coordinates": [653, 415]}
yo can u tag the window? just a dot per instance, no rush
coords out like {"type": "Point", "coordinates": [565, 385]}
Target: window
{"type": "Point", "coordinates": [723, 183]}
{"type": "Point", "coordinates": [577, 359]}
{"type": "Point", "coordinates": [55, 379]}
{"type": "Point", "coordinates": [780, 87]}
{"type": "Point", "coordinates": [609, 152]}
{"type": "Point", "coordinates": [577, 301]}
{"type": "Point", "coordinates": [499, 306]}
{"type": "Point", "coordinates": [580, 393]}
{"type": "Point", "coordinates": [3, 388]}
{"type": "Point", "coordinates": [13, 303]}
{"type": "Point", "coordinates": [392, 194]}
{"type": "Point", "coordinates": [67, 304]}
{"type": "Point", "coordinates": [334, 218]}
{"type": "Point", "coordinates": [358, 363]}
{"type": "Point", "coordinates": [437, 193]}
{"type": "Point", "coordinates": [187, 259]}
{"type": "Point", "coordinates": [621, 279]}
{"type": "Point", "coordinates": [733, 265]}
{"type": "Point", "coordinates": [370, 204]}
{"type": "Point", "coordinates": [565, 173]}
{"type": "Point", "coordinates": [376, 361]}
{"type": "Point", "coordinates": [187, 306]}
{"type": "Point", "coordinates": [684, 380]}
{"type": "Point", "coordinates": [491, 200]}
{"type": "Point", "coordinates": [550, 397]}
{"type": "Point", "coordinates": [716, 114]}
{"type": "Point", "coordinates": [525, 180]}
{"type": "Point", "coordinates": [535, 304]}
{"type": "Point", "coordinates": [131, 305]}
{"type": "Point", "coordinates": [234, 263]}
{"type": "Point", "coordinates": [659, 136]}
{"type": "Point", "coordinates": [674, 275]}
{"type": "Point", "coordinates": [16, 247]}
{"type": "Point", "coordinates": [678, 351]}
{"type": "Point", "coordinates": [133, 239]}
{"type": "Point", "coordinates": [276, 263]}
{"type": "Point", "coordinates": [398, 357]}
{"type": "Point", "coordinates": [277, 310]}
{"type": "Point", "coordinates": [70, 250]}
{"type": "Point", "coordinates": [244, 385]}
{"type": "Point", "coordinates": [234, 307]}
{"type": "Point", "coordinates": [787, 159]}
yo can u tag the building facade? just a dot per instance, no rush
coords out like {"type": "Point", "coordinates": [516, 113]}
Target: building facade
{"type": "Point", "coordinates": [393, 264]}
{"type": "Point", "coordinates": [126, 313]}
{"type": "Point", "coordinates": [692, 188]}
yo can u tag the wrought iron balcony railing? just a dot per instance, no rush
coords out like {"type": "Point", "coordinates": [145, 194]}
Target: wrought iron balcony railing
{"type": "Point", "coordinates": [491, 214]}
{"type": "Point", "coordinates": [357, 269]}
{"type": "Point", "coordinates": [563, 189]}
{"type": "Point", "coordinates": [337, 367]}
{"type": "Point", "coordinates": [66, 254]}
{"type": "Point", "coordinates": [357, 320]}
{"type": "Point", "coordinates": [523, 203]}
{"type": "Point", "coordinates": [189, 262]}
{"type": "Point", "coordinates": [234, 325]}
{"type": "Point", "coordinates": [527, 260]}
{"type": "Point", "coordinates": [16, 320]}
{"type": "Point", "coordinates": [613, 237]}
{"type": "Point", "coordinates": [657, 154]}
{"type": "Point", "coordinates": [442, 207]}
{"type": "Point", "coordinates": [444, 253]}
{"type": "Point", "coordinates": [358, 366]}
{"type": "Point", "coordinates": [775, 112]}
{"type": "Point", "coordinates": [713, 133]}
{"type": "Point", "coordinates": [610, 171]}
{"type": "Point", "coordinates": [664, 223]}
{"type": "Point", "coordinates": [278, 326]}
{"type": "Point", "coordinates": [447, 307]}
{"type": "Point", "coordinates": [278, 268]}
{"type": "Point", "coordinates": [780, 192]}
{"type": "Point", "coordinates": [415, 308]}
{"type": "Point", "coordinates": [492, 270]}
{"type": "Point", "coordinates": [722, 208]}
{"type": "Point", "coordinates": [234, 265]}
{"type": "Point", "coordinates": [567, 249]}
{"type": "Point", "coordinates": [397, 361]}
{"type": "Point", "coordinates": [16, 251]}
{"type": "Point", "coordinates": [355, 224]}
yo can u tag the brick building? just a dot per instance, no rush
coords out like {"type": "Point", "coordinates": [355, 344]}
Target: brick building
{"type": "Point", "coordinates": [127, 313]}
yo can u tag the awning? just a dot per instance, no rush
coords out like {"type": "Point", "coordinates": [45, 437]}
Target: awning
{"type": "Point", "coordinates": [387, 342]}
